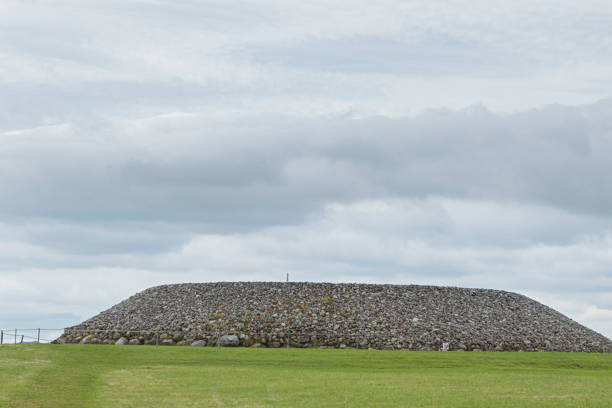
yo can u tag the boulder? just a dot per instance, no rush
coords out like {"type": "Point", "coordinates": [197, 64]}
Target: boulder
{"type": "Point", "coordinates": [229, 341]}
{"type": "Point", "coordinates": [134, 342]}
{"type": "Point", "coordinates": [121, 342]}
{"type": "Point", "coordinates": [198, 343]}
{"type": "Point", "coordinates": [246, 341]}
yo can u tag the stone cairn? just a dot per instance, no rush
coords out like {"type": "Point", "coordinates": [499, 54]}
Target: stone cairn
{"type": "Point", "coordinates": [301, 314]}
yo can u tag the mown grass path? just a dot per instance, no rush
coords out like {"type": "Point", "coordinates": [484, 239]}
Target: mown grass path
{"type": "Point", "coordinates": [110, 376]}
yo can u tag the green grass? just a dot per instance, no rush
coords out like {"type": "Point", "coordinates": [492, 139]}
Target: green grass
{"type": "Point", "coordinates": [109, 376]}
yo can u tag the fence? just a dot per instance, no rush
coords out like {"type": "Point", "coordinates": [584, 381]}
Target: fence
{"type": "Point", "coordinates": [36, 336]}
{"type": "Point", "coordinates": [154, 336]}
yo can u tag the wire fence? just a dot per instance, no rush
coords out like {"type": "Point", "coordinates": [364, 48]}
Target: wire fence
{"type": "Point", "coordinates": [29, 336]}
{"type": "Point", "coordinates": [158, 335]}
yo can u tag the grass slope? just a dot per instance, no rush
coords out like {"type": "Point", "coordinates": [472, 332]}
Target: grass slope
{"type": "Point", "coordinates": [109, 376]}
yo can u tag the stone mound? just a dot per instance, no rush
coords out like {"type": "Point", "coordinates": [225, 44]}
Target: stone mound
{"type": "Point", "coordinates": [263, 314]}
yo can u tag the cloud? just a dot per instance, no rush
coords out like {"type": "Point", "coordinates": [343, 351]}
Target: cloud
{"type": "Point", "coordinates": [254, 171]}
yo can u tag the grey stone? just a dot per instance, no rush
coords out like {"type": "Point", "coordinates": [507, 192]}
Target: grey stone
{"type": "Point", "coordinates": [230, 340]}
{"type": "Point", "coordinates": [134, 342]}
{"type": "Point", "coordinates": [122, 341]}
{"type": "Point", "coordinates": [198, 343]}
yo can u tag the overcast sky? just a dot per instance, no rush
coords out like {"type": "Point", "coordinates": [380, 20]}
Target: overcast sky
{"type": "Point", "coordinates": [464, 143]}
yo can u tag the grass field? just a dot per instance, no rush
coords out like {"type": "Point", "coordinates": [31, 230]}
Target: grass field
{"type": "Point", "coordinates": [109, 376]}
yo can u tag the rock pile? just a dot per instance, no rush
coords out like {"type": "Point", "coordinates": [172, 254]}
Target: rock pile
{"type": "Point", "coordinates": [336, 315]}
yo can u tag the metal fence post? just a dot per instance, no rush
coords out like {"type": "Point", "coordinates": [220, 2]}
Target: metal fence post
{"type": "Point", "coordinates": [157, 339]}
{"type": "Point", "coordinates": [38, 338]}
{"type": "Point", "coordinates": [1, 336]}
{"type": "Point", "coordinates": [15, 336]}
{"type": "Point", "coordinates": [21, 342]}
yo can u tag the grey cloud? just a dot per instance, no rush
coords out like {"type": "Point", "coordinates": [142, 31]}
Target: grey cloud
{"type": "Point", "coordinates": [107, 238]}
{"type": "Point", "coordinates": [284, 171]}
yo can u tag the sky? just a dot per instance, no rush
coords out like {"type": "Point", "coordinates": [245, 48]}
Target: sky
{"type": "Point", "coordinates": [461, 143]}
